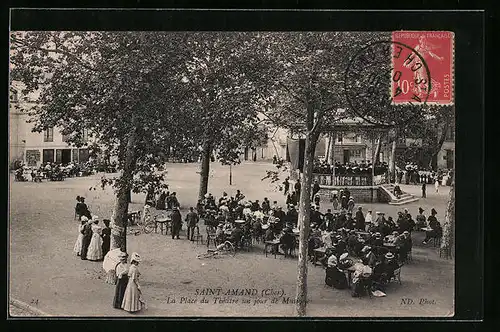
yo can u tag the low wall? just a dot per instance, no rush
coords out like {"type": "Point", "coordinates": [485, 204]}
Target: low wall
{"type": "Point", "coordinates": [360, 194]}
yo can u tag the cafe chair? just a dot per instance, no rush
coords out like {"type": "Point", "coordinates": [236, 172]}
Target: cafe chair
{"type": "Point", "coordinates": [198, 237]}
{"type": "Point", "coordinates": [211, 237]}
{"type": "Point", "coordinates": [397, 275]}
{"type": "Point", "coordinates": [436, 241]}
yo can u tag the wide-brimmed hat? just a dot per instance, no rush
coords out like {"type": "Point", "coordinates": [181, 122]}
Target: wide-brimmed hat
{"type": "Point", "coordinates": [378, 234]}
{"type": "Point", "coordinates": [135, 257]}
{"type": "Point", "coordinates": [207, 195]}
{"type": "Point", "coordinates": [406, 233]}
{"type": "Point", "coordinates": [344, 256]}
{"type": "Point", "coordinates": [84, 218]}
{"type": "Point", "coordinates": [389, 255]}
{"type": "Point", "coordinates": [265, 226]}
{"type": "Point", "coordinates": [378, 212]}
{"type": "Point", "coordinates": [94, 217]}
{"type": "Point", "coordinates": [395, 233]}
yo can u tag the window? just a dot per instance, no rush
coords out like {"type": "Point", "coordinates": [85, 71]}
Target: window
{"type": "Point", "coordinates": [65, 138]}
{"type": "Point", "coordinates": [48, 135]}
{"type": "Point", "coordinates": [339, 137]}
{"type": "Point", "coordinates": [356, 153]}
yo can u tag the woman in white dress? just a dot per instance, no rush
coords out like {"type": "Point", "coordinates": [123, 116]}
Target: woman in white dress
{"type": "Point", "coordinates": [94, 252]}
{"type": "Point", "coordinates": [78, 245]}
{"type": "Point", "coordinates": [132, 299]}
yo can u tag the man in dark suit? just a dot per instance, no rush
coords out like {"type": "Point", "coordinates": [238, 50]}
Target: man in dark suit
{"type": "Point", "coordinates": [315, 189]}
{"type": "Point", "coordinates": [360, 219]}
{"type": "Point", "coordinates": [192, 222]}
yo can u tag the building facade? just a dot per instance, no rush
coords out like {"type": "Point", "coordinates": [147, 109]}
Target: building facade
{"type": "Point", "coordinates": [37, 148]}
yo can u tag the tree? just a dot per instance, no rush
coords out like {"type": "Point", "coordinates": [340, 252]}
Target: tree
{"type": "Point", "coordinates": [448, 240]}
{"type": "Point", "coordinates": [113, 84]}
{"type": "Point", "coordinates": [300, 80]}
{"type": "Point", "coordinates": [428, 132]}
{"type": "Point", "coordinates": [224, 100]}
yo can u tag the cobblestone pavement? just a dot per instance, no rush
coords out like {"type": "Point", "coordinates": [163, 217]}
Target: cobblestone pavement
{"type": "Point", "coordinates": [43, 266]}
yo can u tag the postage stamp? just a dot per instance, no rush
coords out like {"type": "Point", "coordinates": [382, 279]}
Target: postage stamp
{"type": "Point", "coordinates": [435, 48]}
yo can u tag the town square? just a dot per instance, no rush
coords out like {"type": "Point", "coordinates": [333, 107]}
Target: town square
{"type": "Point", "coordinates": [240, 174]}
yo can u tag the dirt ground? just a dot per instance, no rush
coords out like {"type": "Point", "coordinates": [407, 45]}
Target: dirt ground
{"type": "Point", "coordinates": [43, 267]}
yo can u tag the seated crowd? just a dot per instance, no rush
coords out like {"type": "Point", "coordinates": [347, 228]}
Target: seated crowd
{"type": "Point", "coordinates": [59, 171]}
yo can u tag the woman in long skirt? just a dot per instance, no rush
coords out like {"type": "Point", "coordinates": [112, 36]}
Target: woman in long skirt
{"type": "Point", "coordinates": [94, 252]}
{"type": "Point", "coordinates": [78, 245]}
{"type": "Point", "coordinates": [132, 299]}
{"type": "Point", "coordinates": [121, 271]}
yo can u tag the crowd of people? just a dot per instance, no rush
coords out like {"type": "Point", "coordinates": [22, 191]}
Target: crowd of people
{"type": "Point", "coordinates": [411, 173]}
{"type": "Point", "coordinates": [354, 168]}
{"type": "Point", "coordinates": [58, 172]}
{"type": "Point", "coordinates": [362, 251]}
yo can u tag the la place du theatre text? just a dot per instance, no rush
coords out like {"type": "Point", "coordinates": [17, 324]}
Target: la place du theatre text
{"type": "Point", "coordinates": [248, 296]}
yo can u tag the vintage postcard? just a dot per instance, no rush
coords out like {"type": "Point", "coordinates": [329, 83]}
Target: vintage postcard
{"type": "Point", "coordinates": [232, 174]}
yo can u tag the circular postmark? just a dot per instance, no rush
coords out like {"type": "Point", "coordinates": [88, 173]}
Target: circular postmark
{"type": "Point", "coordinates": [387, 83]}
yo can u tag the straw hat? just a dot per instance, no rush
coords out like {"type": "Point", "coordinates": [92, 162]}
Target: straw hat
{"type": "Point", "coordinates": [84, 218]}
{"type": "Point", "coordinates": [265, 226]}
{"type": "Point", "coordinates": [94, 217]}
{"type": "Point", "coordinates": [135, 257]}
{"type": "Point", "coordinates": [389, 255]}
{"type": "Point", "coordinates": [344, 256]}
{"type": "Point", "coordinates": [366, 248]}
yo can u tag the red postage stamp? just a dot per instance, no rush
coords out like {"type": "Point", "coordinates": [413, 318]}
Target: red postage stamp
{"type": "Point", "coordinates": [422, 65]}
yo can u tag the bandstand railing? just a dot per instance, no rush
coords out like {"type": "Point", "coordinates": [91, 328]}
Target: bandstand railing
{"type": "Point", "coordinates": [349, 180]}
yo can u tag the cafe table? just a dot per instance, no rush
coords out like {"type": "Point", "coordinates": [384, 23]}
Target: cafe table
{"type": "Point", "coordinates": [164, 221]}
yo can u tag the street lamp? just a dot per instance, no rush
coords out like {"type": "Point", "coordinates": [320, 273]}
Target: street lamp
{"type": "Point", "coordinates": [230, 174]}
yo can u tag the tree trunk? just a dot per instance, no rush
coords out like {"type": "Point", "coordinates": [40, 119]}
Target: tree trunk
{"type": "Point", "coordinates": [448, 239]}
{"type": "Point", "coordinates": [304, 221]}
{"type": "Point", "coordinates": [120, 212]}
{"type": "Point", "coordinates": [206, 154]}
{"type": "Point", "coordinates": [331, 161]}
{"type": "Point", "coordinates": [392, 164]}
{"type": "Point", "coordinates": [439, 143]}
{"type": "Point", "coordinates": [377, 150]}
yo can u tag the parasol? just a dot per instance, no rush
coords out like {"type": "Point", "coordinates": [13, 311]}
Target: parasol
{"type": "Point", "coordinates": [111, 259]}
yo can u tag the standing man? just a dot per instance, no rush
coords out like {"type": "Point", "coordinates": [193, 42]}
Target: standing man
{"type": "Point", "coordinates": [315, 189]}
{"type": "Point", "coordinates": [192, 222]}
{"type": "Point", "coordinates": [297, 189]}
{"type": "Point", "coordinates": [286, 186]}
{"type": "Point", "coordinates": [424, 188]}
{"type": "Point", "coordinates": [368, 219]}
{"type": "Point", "coordinates": [176, 222]}
{"type": "Point", "coordinates": [360, 219]}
